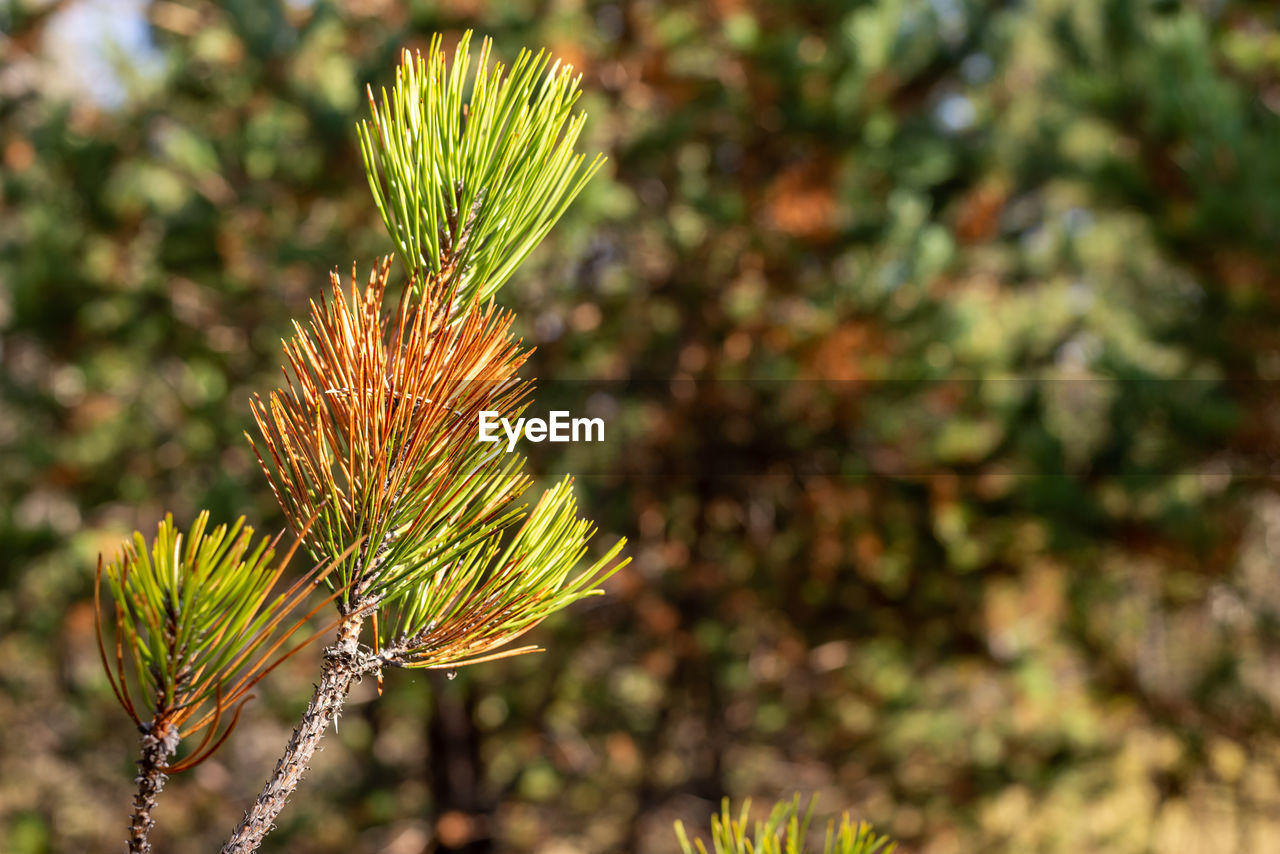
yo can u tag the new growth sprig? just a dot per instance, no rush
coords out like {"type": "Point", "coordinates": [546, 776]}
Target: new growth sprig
{"type": "Point", "coordinates": [784, 832]}
{"type": "Point", "coordinates": [194, 626]}
{"type": "Point", "coordinates": [193, 616]}
{"type": "Point", "coordinates": [467, 189]}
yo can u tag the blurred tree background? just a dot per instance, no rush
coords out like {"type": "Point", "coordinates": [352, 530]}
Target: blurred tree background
{"type": "Point", "coordinates": [962, 516]}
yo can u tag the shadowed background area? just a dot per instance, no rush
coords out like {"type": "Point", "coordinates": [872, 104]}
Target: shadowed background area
{"type": "Point", "coordinates": [1020, 258]}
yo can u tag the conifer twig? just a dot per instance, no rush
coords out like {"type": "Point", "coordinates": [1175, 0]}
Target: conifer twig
{"type": "Point", "coordinates": [505, 158]}
{"type": "Point", "coordinates": [196, 626]}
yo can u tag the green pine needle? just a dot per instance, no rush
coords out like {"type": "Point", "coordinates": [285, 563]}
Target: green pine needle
{"type": "Point", "coordinates": [468, 189]}
{"type": "Point", "coordinates": [463, 606]}
{"type": "Point", "coordinates": [196, 623]}
{"type": "Point", "coordinates": [784, 832]}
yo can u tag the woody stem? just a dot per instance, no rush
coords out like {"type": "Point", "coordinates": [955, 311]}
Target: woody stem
{"type": "Point", "coordinates": [154, 759]}
{"type": "Point", "coordinates": [343, 666]}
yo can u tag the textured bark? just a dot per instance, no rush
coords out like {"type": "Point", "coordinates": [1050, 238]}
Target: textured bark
{"type": "Point", "coordinates": [342, 667]}
{"type": "Point", "coordinates": [151, 779]}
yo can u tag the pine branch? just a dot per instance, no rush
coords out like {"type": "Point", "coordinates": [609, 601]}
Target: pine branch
{"type": "Point", "coordinates": [196, 626]}
{"type": "Point", "coordinates": [371, 452]}
{"type": "Point", "coordinates": [372, 438]}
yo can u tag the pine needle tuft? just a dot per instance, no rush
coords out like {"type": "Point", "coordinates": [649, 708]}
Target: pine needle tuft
{"type": "Point", "coordinates": [468, 188]}
{"type": "Point", "coordinates": [784, 832]}
{"type": "Point", "coordinates": [195, 626]}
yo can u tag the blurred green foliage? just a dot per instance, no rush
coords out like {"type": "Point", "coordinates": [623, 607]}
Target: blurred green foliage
{"type": "Point", "coordinates": [1019, 258]}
